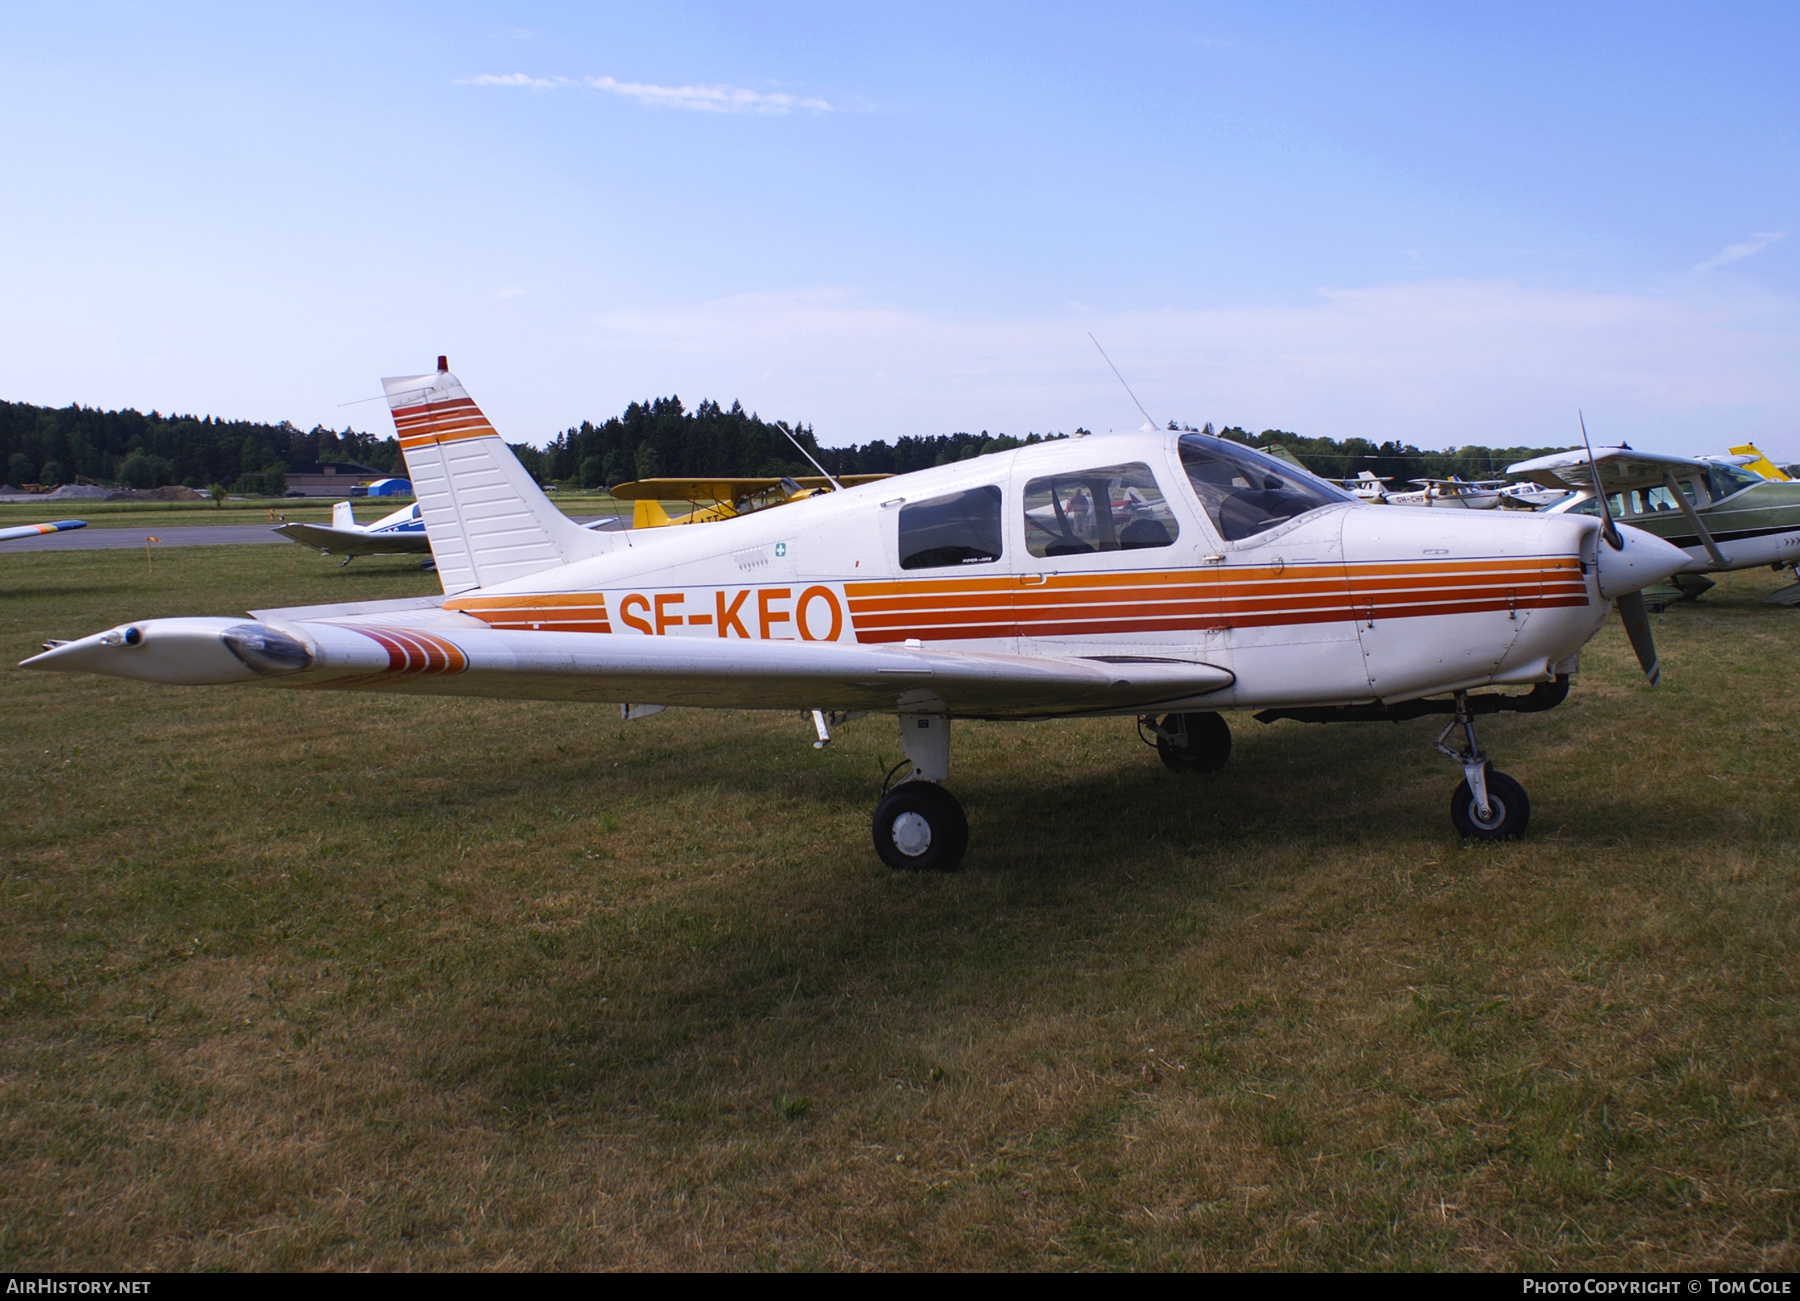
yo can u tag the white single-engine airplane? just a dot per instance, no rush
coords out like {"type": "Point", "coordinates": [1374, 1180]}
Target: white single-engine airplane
{"type": "Point", "coordinates": [399, 534]}
{"type": "Point", "coordinates": [1158, 574]}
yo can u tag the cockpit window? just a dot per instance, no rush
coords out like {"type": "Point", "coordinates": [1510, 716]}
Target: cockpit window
{"type": "Point", "coordinates": [1723, 480]}
{"type": "Point", "coordinates": [961, 529]}
{"type": "Point", "coordinates": [1110, 508]}
{"type": "Point", "coordinates": [1244, 491]}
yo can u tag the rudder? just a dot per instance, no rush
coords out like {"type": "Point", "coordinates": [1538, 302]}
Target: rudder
{"type": "Point", "coordinates": [487, 519]}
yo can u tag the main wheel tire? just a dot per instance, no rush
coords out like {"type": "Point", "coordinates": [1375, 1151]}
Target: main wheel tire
{"type": "Point", "coordinates": [1203, 742]}
{"type": "Point", "coordinates": [1509, 812]}
{"type": "Point", "coordinates": [919, 827]}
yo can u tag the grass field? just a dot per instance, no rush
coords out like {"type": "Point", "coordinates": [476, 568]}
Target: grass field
{"type": "Point", "coordinates": [298, 981]}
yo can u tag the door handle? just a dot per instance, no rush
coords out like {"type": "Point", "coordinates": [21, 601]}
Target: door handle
{"type": "Point", "coordinates": [1033, 580]}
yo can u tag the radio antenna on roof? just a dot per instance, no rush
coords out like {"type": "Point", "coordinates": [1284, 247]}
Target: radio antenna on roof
{"type": "Point", "coordinates": [809, 456]}
{"type": "Point", "coordinates": [1149, 424]}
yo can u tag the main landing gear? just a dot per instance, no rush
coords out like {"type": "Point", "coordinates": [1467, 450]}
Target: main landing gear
{"type": "Point", "coordinates": [1488, 805]}
{"type": "Point", "coordinates": [919, 826]}
{"type": "Point", "coordinates": [1188, 743]}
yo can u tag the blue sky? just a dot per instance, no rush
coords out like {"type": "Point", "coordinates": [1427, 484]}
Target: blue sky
{"type": "Point", "coordinates": [1443, 224]}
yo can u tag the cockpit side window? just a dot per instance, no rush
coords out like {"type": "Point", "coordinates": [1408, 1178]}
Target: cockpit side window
{"type": "Point", "coordinates": [961, 529]}
{"type": "Point", "coordinates": [1109, 508]}
{"type": "Point", "coordinates": [1245, 492]}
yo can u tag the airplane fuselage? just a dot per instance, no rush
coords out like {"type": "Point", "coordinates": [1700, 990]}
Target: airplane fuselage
{"type": "Point", "coordinates": [1345, 603]}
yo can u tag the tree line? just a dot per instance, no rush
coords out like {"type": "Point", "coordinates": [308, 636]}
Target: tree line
{"type": "Point", "coordinates": [1394, 460]}
{"type": "Point", "coordinates": [663, 439]}
{"type": "Point", "coordinates": [57, 445]}
{"type": "Point", "coordinates": [659, 438]}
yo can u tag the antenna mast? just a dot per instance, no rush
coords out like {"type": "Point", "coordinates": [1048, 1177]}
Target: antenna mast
{"type": "Point", "coordinates": [1148, 422]}
{"type": "Point", "coordinates": [809, 456]}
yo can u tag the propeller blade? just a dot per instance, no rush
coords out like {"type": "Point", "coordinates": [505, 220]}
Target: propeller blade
{"type": "Point", "coordinates": [1608, 529]}
{"type": "Point", "coordinates": [1636, 619]}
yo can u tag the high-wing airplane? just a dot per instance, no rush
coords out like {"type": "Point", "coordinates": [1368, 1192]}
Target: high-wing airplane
{"type": "Point", "coordinates": [399, 534]}
{"type": "Point", "coordinates": [1720, 514]}
{"type": "Point", "coordinates": [721, 499]}
{"type": "Point", "coordinates": [1755, 461]}
{"type": "Point", "coordinates": [38, 530]}
{"type": "Point", "coordinates": [1162, 575]}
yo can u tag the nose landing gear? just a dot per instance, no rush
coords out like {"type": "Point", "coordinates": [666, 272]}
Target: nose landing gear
{"type": "Point", "coordinates": [1487, 805]}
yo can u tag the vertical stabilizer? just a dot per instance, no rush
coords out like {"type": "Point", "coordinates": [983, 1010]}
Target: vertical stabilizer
{"type": "Point", "coordinates": [342, 516]}
{"type": "Point", "coordinates": [487, 519]}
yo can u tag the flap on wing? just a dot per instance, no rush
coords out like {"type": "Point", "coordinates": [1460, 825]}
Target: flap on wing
{"type": "Point", "coordinates": [399, 607]}
{"type": "Point", "coordinates": [440, 652]}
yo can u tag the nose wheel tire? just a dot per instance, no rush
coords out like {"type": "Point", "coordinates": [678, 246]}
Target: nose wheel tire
{"type": "Point", "coordinates": [1193, 742]}
{"type": "Point", "coordinates": [1508, 809]}
{"type": "Point", "coordinates": [919, 827]}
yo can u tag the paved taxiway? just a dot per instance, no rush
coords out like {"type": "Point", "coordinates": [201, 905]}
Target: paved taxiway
{"type": "Point", "coordinates": [176, 535]}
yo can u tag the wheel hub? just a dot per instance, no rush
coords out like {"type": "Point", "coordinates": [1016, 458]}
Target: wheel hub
{"type": "Point", "coordinates": [912, 834]}
{"type": "Point", "coordinates": [1496, 813]}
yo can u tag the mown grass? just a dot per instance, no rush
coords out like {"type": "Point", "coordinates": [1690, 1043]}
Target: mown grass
{"type": "Point", "coordinates": [299, 981]}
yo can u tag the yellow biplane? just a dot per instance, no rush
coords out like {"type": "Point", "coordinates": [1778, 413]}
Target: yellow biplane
{"type": "Point", "coordinates": [721, 499]}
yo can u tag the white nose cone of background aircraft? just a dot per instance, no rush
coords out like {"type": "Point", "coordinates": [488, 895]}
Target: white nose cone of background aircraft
{"type": "Point", "coordinates": [1163, 575]}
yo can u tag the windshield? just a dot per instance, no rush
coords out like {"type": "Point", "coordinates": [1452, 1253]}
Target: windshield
{"type": "Point", "coordinates": [1723, 480]}
{"type": "Point", "coordinates": [1244, 491]}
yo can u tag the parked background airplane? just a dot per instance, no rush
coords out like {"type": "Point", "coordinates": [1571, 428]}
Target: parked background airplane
{"type": "Point", "coordinates": [1719, 513]}
{"type": "Point", "coordinates": [399, 534]}
{"type": "Point", "coordinates": [38, 530]}
{"type": "Point", "coordinates": [710, 500]}
{"type": "Point", "coordinates": [1161, 575]}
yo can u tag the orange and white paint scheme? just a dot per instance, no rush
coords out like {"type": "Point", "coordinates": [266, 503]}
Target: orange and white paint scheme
{"type": "Point", "coordinates": [1168, 576]}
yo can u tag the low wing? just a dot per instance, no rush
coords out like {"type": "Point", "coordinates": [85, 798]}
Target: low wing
{"type": "Point", "coordinates": [1621, 469]}
{"type": "Point", "coordinates": [723, 489]}
{"type": "Point", "coordinates": [344, 542]}
{"type": "Point", "coordinates": [36, 530]}
{"type": "Point", "coordinates": [431, 651]}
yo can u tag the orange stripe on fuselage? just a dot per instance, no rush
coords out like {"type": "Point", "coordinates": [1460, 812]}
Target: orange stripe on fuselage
{"type": "Point", "coordinates": [1155, 602]}
{"type": "Point", "coordinates": [561, 612]}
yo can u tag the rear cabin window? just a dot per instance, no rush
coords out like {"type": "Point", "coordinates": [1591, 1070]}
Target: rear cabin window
{"type": "Point", "coordinates": [1244, 491]}
{"type": "Point", "coordinates": [1110, 508]}
{"type": "Point", "coordinates": [961, 529]}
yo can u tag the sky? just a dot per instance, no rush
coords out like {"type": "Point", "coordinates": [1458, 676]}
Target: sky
{"type": "Point", "coordinates": [1441, 224]}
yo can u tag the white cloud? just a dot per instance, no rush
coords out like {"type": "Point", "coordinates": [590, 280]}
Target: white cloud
{"type": "Point", "coordinates": [514, 79]}
{"type": "Point", "coordinates": [1733, 252]}
{"type": "Point", "coordinates": [704, 99]}
{"type": "Point", "coordinates": [709, 99]}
